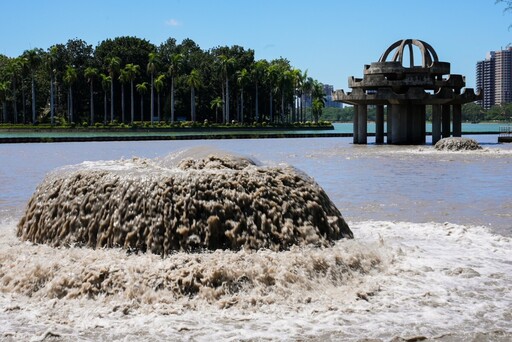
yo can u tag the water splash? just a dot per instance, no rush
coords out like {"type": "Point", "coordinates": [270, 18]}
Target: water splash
{"type": "Point", "coordinates": [189, 201]}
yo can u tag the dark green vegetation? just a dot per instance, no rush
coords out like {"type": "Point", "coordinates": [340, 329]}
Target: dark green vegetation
{"type": "Point", "coordinates": [129, 81]}
{"type": "Point", "coordinates": [471, 112]}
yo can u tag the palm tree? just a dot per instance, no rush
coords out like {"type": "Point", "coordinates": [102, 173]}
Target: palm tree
{"type": "Point", "coordinates": [258, 73]}
{"type": "Point", "coordinates": [114, 63]}
{"type": "Point", "coordinates": [285, 81]}
{"type": "Point", "coordinates": [318, 97]}
{"type": "Point", "coordinates": [14, 69]}
{"type": "Point", "coordinates": [194, 82]}
{"type": "Point", "coordinates": [132, 70]}
{"type": "Point", "coordinates": [302, 90]}
{"type": "Point", "coordinates": [307, 89]}
{"type": "Point", "coordinates": [174, 70]}
{"type": "Point", "coordinates": [296, 81]}
{"type": "Point", "coordinates": [123, 78]}
{"type": "Point", "coordinates": [216, 103]}
{"type": "Point", "coordinates": [271, 77]}
{"type": "Point", "coordinates": [106, 82]}
{"type": "Point", "coordinates": [33, 61]}
{"type": "Point", "coordinates": [50, 61]}
{"type": "Point", "coordinates": [70, 77]}
{"type": "Point", "coordinates": [159, 85]}
{"type": "Point", "coordinates": [142, 88]}
{"type": "Point", "coordinates": [226, 64]}
{"type": "Point", "coordinates": [316, 108]}
{"type": "Point", "coordinates": [243, 80]}
{"type": "Point", "coordinates": [91, 73]}
{"type": "Point", "coordinates": [4, 88]}
{"type": "Point", "coordinates": [151, 67]}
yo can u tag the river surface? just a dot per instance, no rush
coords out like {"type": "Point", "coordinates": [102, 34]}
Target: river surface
{"type": "Point", "coordinates": [433, 235]}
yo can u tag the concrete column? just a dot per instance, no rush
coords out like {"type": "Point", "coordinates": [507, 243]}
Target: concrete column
{"type": "Point", "coordinates": [423, 123]}
{"type": "Point", "coordinates": [445, 121]}
{"type": "Point", "coordinates": [389, 123]}
{"type": "Point", "coordinates": [356, 125]}
{"type": "Point", "coordinates": [379, 125]}
{"type": "Point", "coordinates": [416, 124]}
{"type": "Point", "coordinates": [363, 124]}
{"type": "Point", "coordinates": [436, 123]}
{"type": "Point", "coordinates": [457, 120]}
{"type": "Point", "coordinates": [399, 135]}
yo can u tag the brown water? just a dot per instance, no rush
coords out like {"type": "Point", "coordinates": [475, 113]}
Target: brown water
{"type": "Point", "coordinates": [431, 255]}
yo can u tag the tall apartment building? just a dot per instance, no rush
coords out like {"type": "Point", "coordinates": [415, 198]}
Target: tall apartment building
{"type": "Point", "coordinates": [494, 77]}
{"type": "Point", "coordinates": [485, 80]}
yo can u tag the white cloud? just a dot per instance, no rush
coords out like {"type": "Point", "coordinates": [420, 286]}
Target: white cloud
{"type": "Point", "coordinates": [172, 22]}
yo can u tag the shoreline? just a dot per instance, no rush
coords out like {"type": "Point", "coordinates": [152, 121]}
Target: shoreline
{"type": "Point", "coordinates": [104, 136]}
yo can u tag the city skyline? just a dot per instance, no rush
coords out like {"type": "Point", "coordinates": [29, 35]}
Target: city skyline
{"type": "Point", "coordinates": [331, 39]}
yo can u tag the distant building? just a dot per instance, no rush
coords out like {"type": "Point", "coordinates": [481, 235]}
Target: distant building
{"type": "Point", "coordinates": [494, 77]}
{"type": "Point", "coordinates": [328, 90]}
{"type": "Point", "coordinates": [485, 80]}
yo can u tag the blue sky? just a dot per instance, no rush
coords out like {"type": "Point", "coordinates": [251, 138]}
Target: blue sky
{"type": "Point", "coordinates": [333, 39]}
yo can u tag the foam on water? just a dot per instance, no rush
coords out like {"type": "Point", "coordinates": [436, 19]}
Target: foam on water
{"type": "Point", "coordinates": [394, 279]}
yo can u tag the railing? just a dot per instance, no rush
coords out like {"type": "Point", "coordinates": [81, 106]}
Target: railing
{"type": "Point", "coordinates": [506, 130]}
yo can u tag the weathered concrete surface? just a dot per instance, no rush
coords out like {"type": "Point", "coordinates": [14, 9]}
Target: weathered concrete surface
{"type": "Point", "coordinates": [406, 89]}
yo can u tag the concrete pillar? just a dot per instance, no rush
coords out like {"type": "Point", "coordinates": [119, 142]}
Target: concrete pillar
{"type": "Point", "coordinates": [457, 120]}
{"type": "Point", "coordinates": [445, 121]}
{"type": "Point", "coordinates": [363, 124]}
{"type": "Point", "coordinates": [389, 123]}
{"type": "Point", "coordinates": [356, 125]}
{"type": "Point", "coordinates": [379, 125]}
{"type": "Point", "coordinates": [436, 123]}
{"type": "Point", "coordinates": [423, 123]}
{"type": "Point", "coordinates": [399, 118]}
{"type": "Point", "coordinates": [416, 124]}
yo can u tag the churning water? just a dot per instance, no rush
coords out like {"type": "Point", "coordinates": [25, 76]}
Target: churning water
{"type": "Point", "coordinates": [431, 255]}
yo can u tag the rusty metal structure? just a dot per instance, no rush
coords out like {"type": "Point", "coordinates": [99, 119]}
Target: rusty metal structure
{"type": "Point", "coordinates": [404, 92]}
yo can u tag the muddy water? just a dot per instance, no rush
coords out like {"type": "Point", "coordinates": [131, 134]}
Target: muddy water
{"type": "Point", "coordinates": [431, 255]}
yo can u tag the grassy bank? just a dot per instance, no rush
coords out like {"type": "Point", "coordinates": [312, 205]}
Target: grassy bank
{"type": "Point", "coordinates": [165, 126]}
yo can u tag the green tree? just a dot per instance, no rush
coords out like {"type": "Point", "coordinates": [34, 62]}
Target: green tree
{"type": "Point", "coordinates": [271, 78]}
{"type": "Point", "coordinates": [33, 57]}
{"type": "Point", "coordinates": [151, 67]}
{"type": "Point", "coordinates": [106, 83]}
{"type": "Point", "coordinates": [131, 70]}
{"type": "Point", "coordinates": [243, 80]}
{"type": "Point", "coordinates": [70, 78]}
{"type": "Point", "coordinates": [216, 103]}
{"type": "Point", "coordinates": [91, 73]}
{"type": "Point", "coordinates": [114, 64]}
{"type": "Point", "coordinates": [226, 66]}
{"type": "Point", "coordinates": [124, 78]}
{"type": "Point", "coordinates": [142, 89]}
{"type": "Point", "coordinates": [318, 97]}
{"type": "Point", "coordinates": [14, 67]}
{"type": "Point", "coordinates": [159, 85]}
{"type": "Point", "coordinates": [301, 90]}
{"type": "Point", "coordinates": [50, 62]}
{"type": "Point", "coordinates": [258, 74]}
{"type": "Point", "coordinates": [175, 65]}
{"type": "Point", "coordinates": [194, 82]}
{"type": "Point", "coordinates": [4, 89]}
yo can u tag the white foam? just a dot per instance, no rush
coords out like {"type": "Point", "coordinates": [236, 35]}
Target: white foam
{"type": "Point", "coordinates": [433, 279]}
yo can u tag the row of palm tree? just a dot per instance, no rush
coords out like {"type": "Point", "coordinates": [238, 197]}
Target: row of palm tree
{"type": "Point", "coordinates": [287, 90]}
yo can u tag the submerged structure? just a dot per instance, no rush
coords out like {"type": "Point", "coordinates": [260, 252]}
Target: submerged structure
{"type": "Point", "coordinates": [403, 92]}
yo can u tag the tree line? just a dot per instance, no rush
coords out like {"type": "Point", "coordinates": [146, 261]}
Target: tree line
{"type": "Point", "coordinates": [471, 112]}
{"type": "Point", "coordinates": [129, 80]}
